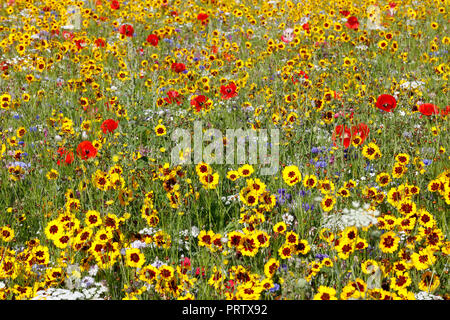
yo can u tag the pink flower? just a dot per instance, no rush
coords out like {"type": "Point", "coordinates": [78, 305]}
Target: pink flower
{"type": "Point", "coordinates": [288, 35]}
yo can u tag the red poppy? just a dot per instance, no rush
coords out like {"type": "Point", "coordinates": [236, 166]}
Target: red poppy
{"type": "Point", "coordinates": [86, 150]}
{"type": "Point", "coordinates": [109, 125]}
{"type": "Point", "coordinates": [153, 39]}
{"type": "Point", "coordinates": [178, 67]}
{"type": "Point", "coordinates": [361, 130]}
{"type": "Point", "coordinates": [203, 17]}
{"type": "Point", "coordinates": [344, 12]}
{"type": "Point", "coordinates": [346, 134]}
{"type": "Point", "coordinates": [115, 5]}
{"type": "Point", "coordinates": [428, 109]}
{"type": "Point", "coordinates": [386, 102]}
{"type": "Point", "coordinates": [199, 102]}
{"type": "Point", "coordinates": [446, 111]}
{"type": "Point", "coordinates": [66, 155]}
{"type": "Point", "coordinates": [343, 133]}
{"type": "Point", "coordinates": [305, 26]}
{"type": "Point", "coordinates": [173, 96]}
{"type": "Point", "coordinates": [4, 65]}
{"type": "Point", "coordinates": [228, 91]}
{"type": "Point", "coordinates": [352, 23]}
{"type": "Point", "coordinates": [80, 44]}
{"type": "Point", "coordinates": [126, 29]}
{"type": "Point", "coordinates": [100, 42]}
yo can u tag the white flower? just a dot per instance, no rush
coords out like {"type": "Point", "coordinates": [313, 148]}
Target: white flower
{"type": "Point", "coordinates": [195, 231]}
{"type": "Point", "coordinates": [423, 295]}
{"type": "Point", "coordinates": [93, 270]}
{"type": "Point", "coordinates": [137, 244]}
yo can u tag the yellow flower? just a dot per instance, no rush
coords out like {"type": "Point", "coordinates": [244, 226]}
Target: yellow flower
{"type": "Point", "coordinates": [327, 203]}
{"type": "Point", "coordinates": [389, 242]}
{"type": "Point", "coordinates": [325, 293]}
{"type": "Point", "coordinates": [246, 170]}
{"type": "Point", "coordinates": [160, 130]}
{"type": "Point", "coordinates": [52, 174]}
{"type": "Point", "coordinates": [6, 234]}
{"type": "Point", "coordinates": [134, 258]}
{"type": "Point", "coordinates": [291, 175]}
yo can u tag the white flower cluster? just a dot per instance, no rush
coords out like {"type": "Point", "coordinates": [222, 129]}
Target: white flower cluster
{"type": "Point", "coordinates": [229, 199]}
{"type": "Point", "coordinates": [97, 291]}
{"type": "Point", "coordinates": [423, 295]}
{"type": "Point", "coordinates": [359, 217]}
{"type": "Point", "coordinates": [412, 84]}
{"type": "Point", "coordinates": [288, 218]}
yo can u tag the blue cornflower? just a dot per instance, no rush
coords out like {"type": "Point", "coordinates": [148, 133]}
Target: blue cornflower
{"type": "Point", "coordinates": [275, 288]}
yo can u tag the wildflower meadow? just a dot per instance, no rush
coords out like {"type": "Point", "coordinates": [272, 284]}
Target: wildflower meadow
{"type": "Point", "coordinates": [224, 150]}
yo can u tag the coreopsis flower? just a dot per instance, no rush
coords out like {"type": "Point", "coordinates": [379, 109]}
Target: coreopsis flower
{"type": "Point", "coordinates": [6, 234]}
{"type": "Point", "coordinates": [429, 282]}
{"type": "Point", "coordinates": [210, 181]}
{"type": "Point", "coordinates": [327, 203]}
{"type": "Point", "coordinates": [271, 267]}
{"type": "Point", "coordinates": [52, 174]}
{"type": "Point", "coordinates": [310, 181]}
{"type": "Point", "coordinates": [246, 170]}
{"type": "Point", "coordinates": [423, 259]}
{"type": "Point", "coordinates": [134, 258]}
{"type": "Point", "coordinates": [291, 175]}
{"type": "Point", "coordinates": [149, 274]}
{"type": "Point", "coordinates": [280, 227]}
{"type": "Point", "coordinates": [302, 247]}
{"type": "Point", "coordinates": [203, 168]}
{"type": "Point", "coordinates": [205, 238]}
{"type": "Point", "coordinates": [371, 151]}
{"type": "Point", "coordinates": [235, 239]}
{"type": "Point", "coordinates": [389, 242]}
{"type": "Point", "coordinates": [325, 293]}
{"type": "Point", "coordinates": [93, 219]}
{"type": "Point", "coordinates": [232, 175]}
{"type": "Point", "coordinates": [285, 251]}
{"type": "Point", "coordinates": [160, 130]}
{"type": "Point", "coordinates": [249, 245]}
